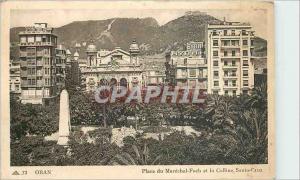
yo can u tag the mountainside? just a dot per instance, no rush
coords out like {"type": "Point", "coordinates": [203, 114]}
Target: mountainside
{"type": "Point", "coordinates": [152, 38]}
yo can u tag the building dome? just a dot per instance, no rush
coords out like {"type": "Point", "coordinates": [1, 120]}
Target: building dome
{"type": "Point", "coordinates": [76, 54]}
{"type": "Point", "coordinates": [68, 52]}
{"type": "Point", "coordinates": [134, 47]}
{"type": "Point", "coordinates": [91, 48]}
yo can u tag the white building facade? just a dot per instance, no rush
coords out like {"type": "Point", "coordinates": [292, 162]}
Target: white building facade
{"type": "Point", "coordinates": [187, 67]}
{"type": "Point", "coordinates": [229, 48]}
{"type": "Point", "coordinates": [116, 67]}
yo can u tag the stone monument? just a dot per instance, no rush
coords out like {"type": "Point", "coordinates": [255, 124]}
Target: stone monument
{"type": "Point", "coordinates": [64, 119]}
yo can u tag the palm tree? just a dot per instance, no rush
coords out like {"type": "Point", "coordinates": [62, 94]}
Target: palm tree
{"type": "Point", "coordinates": [259, 97]}
{"type": "Point", "coordinates": [251, 137]}
{"type": "Point", "coordinates": [140, 158]}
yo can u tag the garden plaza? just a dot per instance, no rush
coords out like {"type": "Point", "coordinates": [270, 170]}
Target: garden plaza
{"type": "Point", "coordinates": [185, 94]}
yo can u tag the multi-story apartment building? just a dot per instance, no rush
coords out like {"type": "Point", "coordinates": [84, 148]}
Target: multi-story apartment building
{"type": "Point", "coordinates": [229, 47]}
{"type": "Point", "coordinates": [60, 63]}
{"type": "Point", "coordinates": [14, 77]}
{"type": "Point", "coordinates": [188, 67]}
{"type": "Point", "coordinates": [154, 76]}
{"type": "Point", "coordinates": [37, 64]}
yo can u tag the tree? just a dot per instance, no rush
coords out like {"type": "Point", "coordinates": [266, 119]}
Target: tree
{"type": "Point", "coordinates": [141, 157]}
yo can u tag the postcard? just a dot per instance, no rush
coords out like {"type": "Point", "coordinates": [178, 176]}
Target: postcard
{"type": "Point", "coordinates": [137, 90]}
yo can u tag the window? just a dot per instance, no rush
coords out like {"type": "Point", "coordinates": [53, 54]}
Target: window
{"type": "Point", "coordinates": [216, 74]}
{"type": "Point", "coordinates": [251, 51]}
{"type": "Point", "coordinates": [215, 92]}
{"type": "Point", "coordinates": [185, 61]}
{"type": "Point", "coordinates": [47, 81]}
{"type": "Point", "coordinates": [215, 53]}
{"type": "Point", "coordinates": [252, 42]}
{"type": "Point", "coordinates": [245, 42]}
{"type": "Point", "coordinates": [233, 63]}
{"type": "Point", "coordinates": [47, 71]}
{"type": "Point", "coordinates": [215, 63]}
{"type": "Point", "coordinates": [225, 73]}
{"type": "Point", "coordinates": [226, 82]}
{"type": "Point", "coordinates": [226, 43]}
{"type": "Point", "coordinates": [216, 83]}
{"type": "Point", "coordinates": [215, 43]}
{"type": "Point", "coordinates": [245, 92]}
{"type": "Point", "coordinates": [225, 53]}
{"type": "Point", "coordinates": [245, 52]}
{"type": "Point", "coordinates": [245, 73]}
{"type": "Point", "coordinates": [46, 61]}
{"type": "Point", "coordinates": [233, 73]}
{"type": "Point", "coordinates": [183, 73]}
{"type": "Point", "coordinates": [233, 43]}
{"type": "Point", "coordinates": [225, 32]}
{"type": "Point", "coordinates": [214, 33]}
{"type": "Point", "coordinates": [245, 63]}
{"type": "Point", "coordinates": [225, 63]}
{"type": "Point", "coordinates": [192, 72]}
{"type": "Point", "coordinates": [23, 39]}
{"type": "Point", "coordinates": [30, 39]}
{"type": "Point", "coordinates": [17, 87]}
{"type": "Point", "coordinates": [233, 83]}
{"type": "Point", "coordinates": [244, 32]}
{"type": "Point", "coordinates": [38, 38]}
{"type": "Point", "coordinates": [233, 32]}
{"type": "Point", "coordinates": [234, 92]}
{"type": "Point", "coordinates": [31, 81]}
{"type": "Point", "coordinates": [245, 83]}
{"type": "Point", "coordinates": [31, 71]}
{"type": "Point", "coordinates": [30, 51]}
{"type": "Point", "coordinates": [226, 92]}
{"type": "Point", "coordinates": [233, 53]}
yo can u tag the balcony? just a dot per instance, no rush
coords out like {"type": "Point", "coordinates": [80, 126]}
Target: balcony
{"type": "Point", "coordinates": [37, 44]}
{"type": "Point", "coordinates": [237, 56]}
{"type": "Point", "coordinates": [230, 66]}
{"type": "Point", "coordinates": [23, 74]}
{"type": "Point", "coordinates": [23, 63]}
{"type": "Point", "coordinates": [39, 53]}
{"type": "Point", "coordinates": [39, 83]}
{"type": "Point", "coordinates": [230, 47]}
{"type": "Point", "coordinates": [202, 77]}
{"type": "Point", "coordinates": [182, 77]}
{"type": "Point", "coordinates": [23, 54]}
{"type": "Point", "coordinates": [230, 86]}
{"type": "Point", "coordinates": [39, 63]}
{"type": "Point", "coordinates": [230, 77]}
{"type": "Point", "coordinates": [39, 74]}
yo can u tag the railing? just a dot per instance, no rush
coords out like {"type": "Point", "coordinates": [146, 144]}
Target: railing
{"type": "Point", "coordinates": [23, 63]}
{"type": "Point", "coordinates": [39, 83]}
{"type": "Point", "coordinates": [230, 76]}
{"type": "Point", "coordinates": [39, 63]}
{"type": "Point", "coordinates": [230, 46]}
{"type": "Point", "coordinates": [229, 66]}
{"type": "Point", "coordinates": [37, 44]}
{"type": "Point", "coordinates": [23, 73]}
{"type": "Point", "coordinates": [39, 53]}
{"type": "Point", "coordinates": [230, 86]}
{"type": "Point", "coordinates": [236, 56]}
{"type": "Point", "coordinates": [23, 54]}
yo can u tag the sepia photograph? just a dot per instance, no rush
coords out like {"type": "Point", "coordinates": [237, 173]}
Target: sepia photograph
{"type": "Point", "coordinates": [129, 86]}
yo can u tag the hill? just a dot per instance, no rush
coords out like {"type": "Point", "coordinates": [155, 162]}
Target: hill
{"type": "Point", "coordinates": [152, 38]}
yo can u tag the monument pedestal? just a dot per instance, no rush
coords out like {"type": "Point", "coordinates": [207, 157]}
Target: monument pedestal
{"type": "Point", "coordinates": [63, 140]}
{"type": "Point", "coordinates": [64, 119]}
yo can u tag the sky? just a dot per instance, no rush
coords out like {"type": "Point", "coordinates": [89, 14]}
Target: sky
{"type": "Point", "coordinates": [60, 17]}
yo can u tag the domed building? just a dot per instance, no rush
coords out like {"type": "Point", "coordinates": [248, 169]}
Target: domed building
{"type": "Point", "coordinates": [115, 67]}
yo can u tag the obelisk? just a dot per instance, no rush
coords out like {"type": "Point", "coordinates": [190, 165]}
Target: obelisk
{"type": "Point", "coordinates": [64, 119]}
